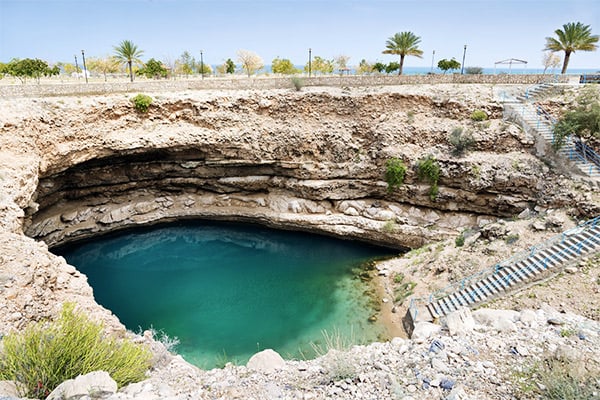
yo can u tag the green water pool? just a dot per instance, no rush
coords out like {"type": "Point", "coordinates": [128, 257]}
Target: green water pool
{"type": "Point", "coordinates": [227, 291]}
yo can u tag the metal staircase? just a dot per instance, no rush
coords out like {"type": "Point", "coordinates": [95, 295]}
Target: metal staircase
{"type": "Point", "coordinates": [534, 264]}
{"type": "Point", "coordinates": [536, 118]}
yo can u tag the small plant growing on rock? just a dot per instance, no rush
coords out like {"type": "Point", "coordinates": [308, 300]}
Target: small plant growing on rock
{"type": "Point", "coordinates": [395, 171]}
{"type": "Point", "coordinates": [428, 169]}
{"type": "Point", "coordinates": [462, 141]}
{"type": "Point", "coordinates": [479, 115]}
{"type": "Point", "coordinates": [47, 354]}
{"type": "Point", "coordinates": [389, 226]}
{"type": "Point", "coordinates": [460, 240]}
{"type": "Point", "coordinates": [141, 102]}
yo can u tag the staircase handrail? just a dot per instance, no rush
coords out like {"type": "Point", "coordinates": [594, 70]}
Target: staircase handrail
{"type": "Point", "coordinates": [588, 153]}
{"type": "Point", "coordinates": [453, 287]}
{"type": "Point", "coordinates": [546, 115]}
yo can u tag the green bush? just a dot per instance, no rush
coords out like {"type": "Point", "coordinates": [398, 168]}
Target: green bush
{"type": "Point", "coordinates": [395, 171]}
{"type": "Point", "coordinates": [479, 115]}
{"type": "Point", "coordinates": [49, 353]}
{"type": "Point", "coordinates": [298, 83]}
{"type": "Point", "coordinates": [142, 102]}
{"type": "Point", "coordinates": [460, 240]}
{"type": "Point", "coordinates": [462, 141]}
{"type": "Point", "coordinates": [429, 169]}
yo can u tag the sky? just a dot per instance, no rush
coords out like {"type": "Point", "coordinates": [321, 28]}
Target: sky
{"type": "Point", "coordinates": [492, 30]}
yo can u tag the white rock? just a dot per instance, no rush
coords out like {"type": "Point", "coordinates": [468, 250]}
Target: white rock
{"type": "Point", "coordinates": [460, 322]}
{"type": "Point", "coordinates": [98, 383]}
{"type": "Point", "coordinates": [8, 389]}
{"type": "Point", "coordinates": [500, 320]}
{"type": "Point", "coordinates": [424, 330]}
{"type": "Point", "coordinates": [266, 361]}
{"type": "Point", "coordinates": [528, 317]}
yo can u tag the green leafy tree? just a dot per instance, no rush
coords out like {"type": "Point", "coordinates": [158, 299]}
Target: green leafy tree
{"type": "Point", "coordinates": [153, 69]}
{"type": "Point", "coordinates": [3, 70]}
{"type": "Point", "coordinates": [574, 36]}
{"type": "Point", "coordinates": [319, 64]}
{"type": "Point", "coordinates": [379, 67]}
{"type": "Point", "coordinates": [403, 44]}
{"type": "Point", "coordinates": [395, 171]}
{"type": "Point", "coordinates": [30, 68]}
{"type": "Point", "coordinates": [204, 69]}
{"type": "Point", "coordinates": [364, 67]}
{"type": "Point", "coordinates": [185, 64]}
{"type": "Point", "coordinates": [448, 65]}
{"type": "Point", "coordinates": [473, 70]}
{"type": "Point", "coordinates": [583, 121]}
{"type": "Point", "coordinates": [283, 66]}
{"type": "Point", "coordinates": [391, 67]}
{"type": "Point", "coordinates": [229, 66]}
{"type": "Point", "coordinates": [128, 53]}
{"type": "Point", "coordinates": [104, 66]}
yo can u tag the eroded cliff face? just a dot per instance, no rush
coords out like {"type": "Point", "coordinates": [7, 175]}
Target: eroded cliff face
{"type": "Point", "coordinates": [74, 167]}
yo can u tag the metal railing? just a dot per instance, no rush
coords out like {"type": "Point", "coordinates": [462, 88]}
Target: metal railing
{"type": "Point", "coordinates": [519, 257]}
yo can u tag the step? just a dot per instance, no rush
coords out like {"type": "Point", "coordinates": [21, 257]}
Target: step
{"type": "Point", "coordinates": [431, 308]}
{"type": "Point", "coordinates": [515, 275]}
{"type": "Point", "coordinates": [491, 281]}
{"type": "Point", "coordinates": [449, 306]}
{"type": "Point", "coordinates": [484, 289]}
{"type": "Point", "coordinates": [567, 250]}
{"type": "Point", "coordinates": [475, 294]}
{"type": "Point", "coordinates": [526, 268]}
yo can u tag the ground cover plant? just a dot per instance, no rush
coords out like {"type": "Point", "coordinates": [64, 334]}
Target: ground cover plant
{"type": "Point", "coordinates": [46, 354]}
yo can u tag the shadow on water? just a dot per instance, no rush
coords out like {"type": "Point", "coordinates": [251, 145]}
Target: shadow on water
{"type": "Point", "coordinates": [230, 290]}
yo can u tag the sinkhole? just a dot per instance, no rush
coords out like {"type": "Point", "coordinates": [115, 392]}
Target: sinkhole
{"type": "Point", "coordinates": [227, 290]}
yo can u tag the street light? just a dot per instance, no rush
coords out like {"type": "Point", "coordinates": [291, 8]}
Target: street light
{"type": "Point", "coordinates": [202, 64]}
{"type": "Point", "coordinates": [76, 67]}
{"type": "Point", "coordinates": [84, 67]}
{"type": "Point", "coordinates": [309, 61]}
{"type": "Point", "coordinates": [462, 67]}
{"type": "Point", "coordinates": [432, 57]}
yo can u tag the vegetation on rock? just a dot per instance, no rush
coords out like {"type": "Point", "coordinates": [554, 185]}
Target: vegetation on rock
{"type": "Point", "coordinates": [141, 102]}
{"type": "Point", "coordinates": [428, 169]}
{"type": "Point", "coordinates": [583, 121]}
{"type": "Point", "coordinates": [479, 115]}
{"type": "Point", "coordinates": [461, 140]}
{"type": "Point", "coordinates": [46, 354]}
{"type": "Point", "coordinates": [395, 171]}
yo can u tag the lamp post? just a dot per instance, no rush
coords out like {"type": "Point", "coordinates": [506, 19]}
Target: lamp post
{"type": "Point", "coordinates": [202, 64]}
{"type": "Point", "coordinates": [309, 61]}
{"type": "Point", "coordinates": [76, 67]}
{"type": "Point", "coordinates": [84, 67]}
{"type": "Point", "coordinates": [462, 67]}
{"type": "Point", "coordinates": [432, 57]}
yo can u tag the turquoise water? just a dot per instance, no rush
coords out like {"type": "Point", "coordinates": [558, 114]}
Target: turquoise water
{"type": "Point", "coordinates": [227, 291]}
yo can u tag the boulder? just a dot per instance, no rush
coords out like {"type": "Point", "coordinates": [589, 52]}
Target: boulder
{"type": "Point", "coordinates": [8, 389]}
{"type": "Point", "coordinates": [424, 330]}
{"type": "Point", "coordinates": [266, 361]}
{"type": "Point", "coordinates": [98, 383]}
{"type": "Point", "coordinates": [460, 322]}
{"type": "Point", "coordinates": [500, 320]}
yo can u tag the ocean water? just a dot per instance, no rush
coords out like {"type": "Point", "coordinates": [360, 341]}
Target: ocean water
{"type": "Point", "coordinates": [227, 291]}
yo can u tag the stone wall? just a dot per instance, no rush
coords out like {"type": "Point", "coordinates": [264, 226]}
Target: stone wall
{"type": "Point", "coordinates": [260, 83]}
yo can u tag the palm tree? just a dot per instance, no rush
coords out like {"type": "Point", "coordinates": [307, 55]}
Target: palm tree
{"type": "Point", "coordinates": [574, 36]}
{"type": "Point", "coordinates": [404, 44]}
{"type": "Point", "coordinates": [128, 53]}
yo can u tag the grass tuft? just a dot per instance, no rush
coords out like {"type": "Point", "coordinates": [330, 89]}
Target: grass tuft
{"type": "Point", "coordinates": [49, 353]}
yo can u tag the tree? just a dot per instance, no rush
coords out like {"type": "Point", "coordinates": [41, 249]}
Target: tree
{"type": "Point", "coordinates": [448, 65]}
{"type": "Point", "coordinates": [30, 68]}
{"type": "Point", "coordinates": [153, 69]}
{"type": "Point", "coordinates": [185, 64]}
{"type": "Point", "coordinates": [550, 60]}
{"type": "Point", "coordinates": [403, 44]}
{"type": "Point", "coordinates": [3, 70]}
{"type": "Point", "coordinates": [251, 62]}
{"type": "Point", "coordinates": [283, 66]}
{"type": "Point", "coordinates": [364, 67]}
{"type": "Point", "coordinates": [341, 63]}
{"type": "Point", "coordinates": [574, 36]}
{"type": "Point", "coordinates": [128, 53]}
{"type": "Point", "coordinates": [583, 121]}
{"type": "Point", "coordinates": [106, 65]}
{"type": "Point", "coordinates": [229, 66]}
{"type": "Point", "coordinates": [379, 67]}
{"type": "Point", "coordinates": [391, 67]}
{"type": "Point", "coordinates": [204, 69]}
{"type": "Point", "coordinates": [321, 65]}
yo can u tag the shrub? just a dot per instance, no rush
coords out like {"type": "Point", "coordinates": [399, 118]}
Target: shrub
{"type": "Point", "coordinates": [298, 83]}
{"type": "Point", "coordinates": [395, 171]}
{"type": "Point", "coordinates": [49, 353]}
{"type": "Point", "coordinates": [429, 169]}
{"type": "Point", "coordinates": [142, 102]}
{"type": "Point", "coordinates": [462, 141]}
{"type": "Point", "coordinates": [460, 240]}
{"type": "Point", "coordinates": [473, 70]}
{"type": "Point", "coordinates": [389, 226]}
{"type": "Point", "coordinates": [479, 115]}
